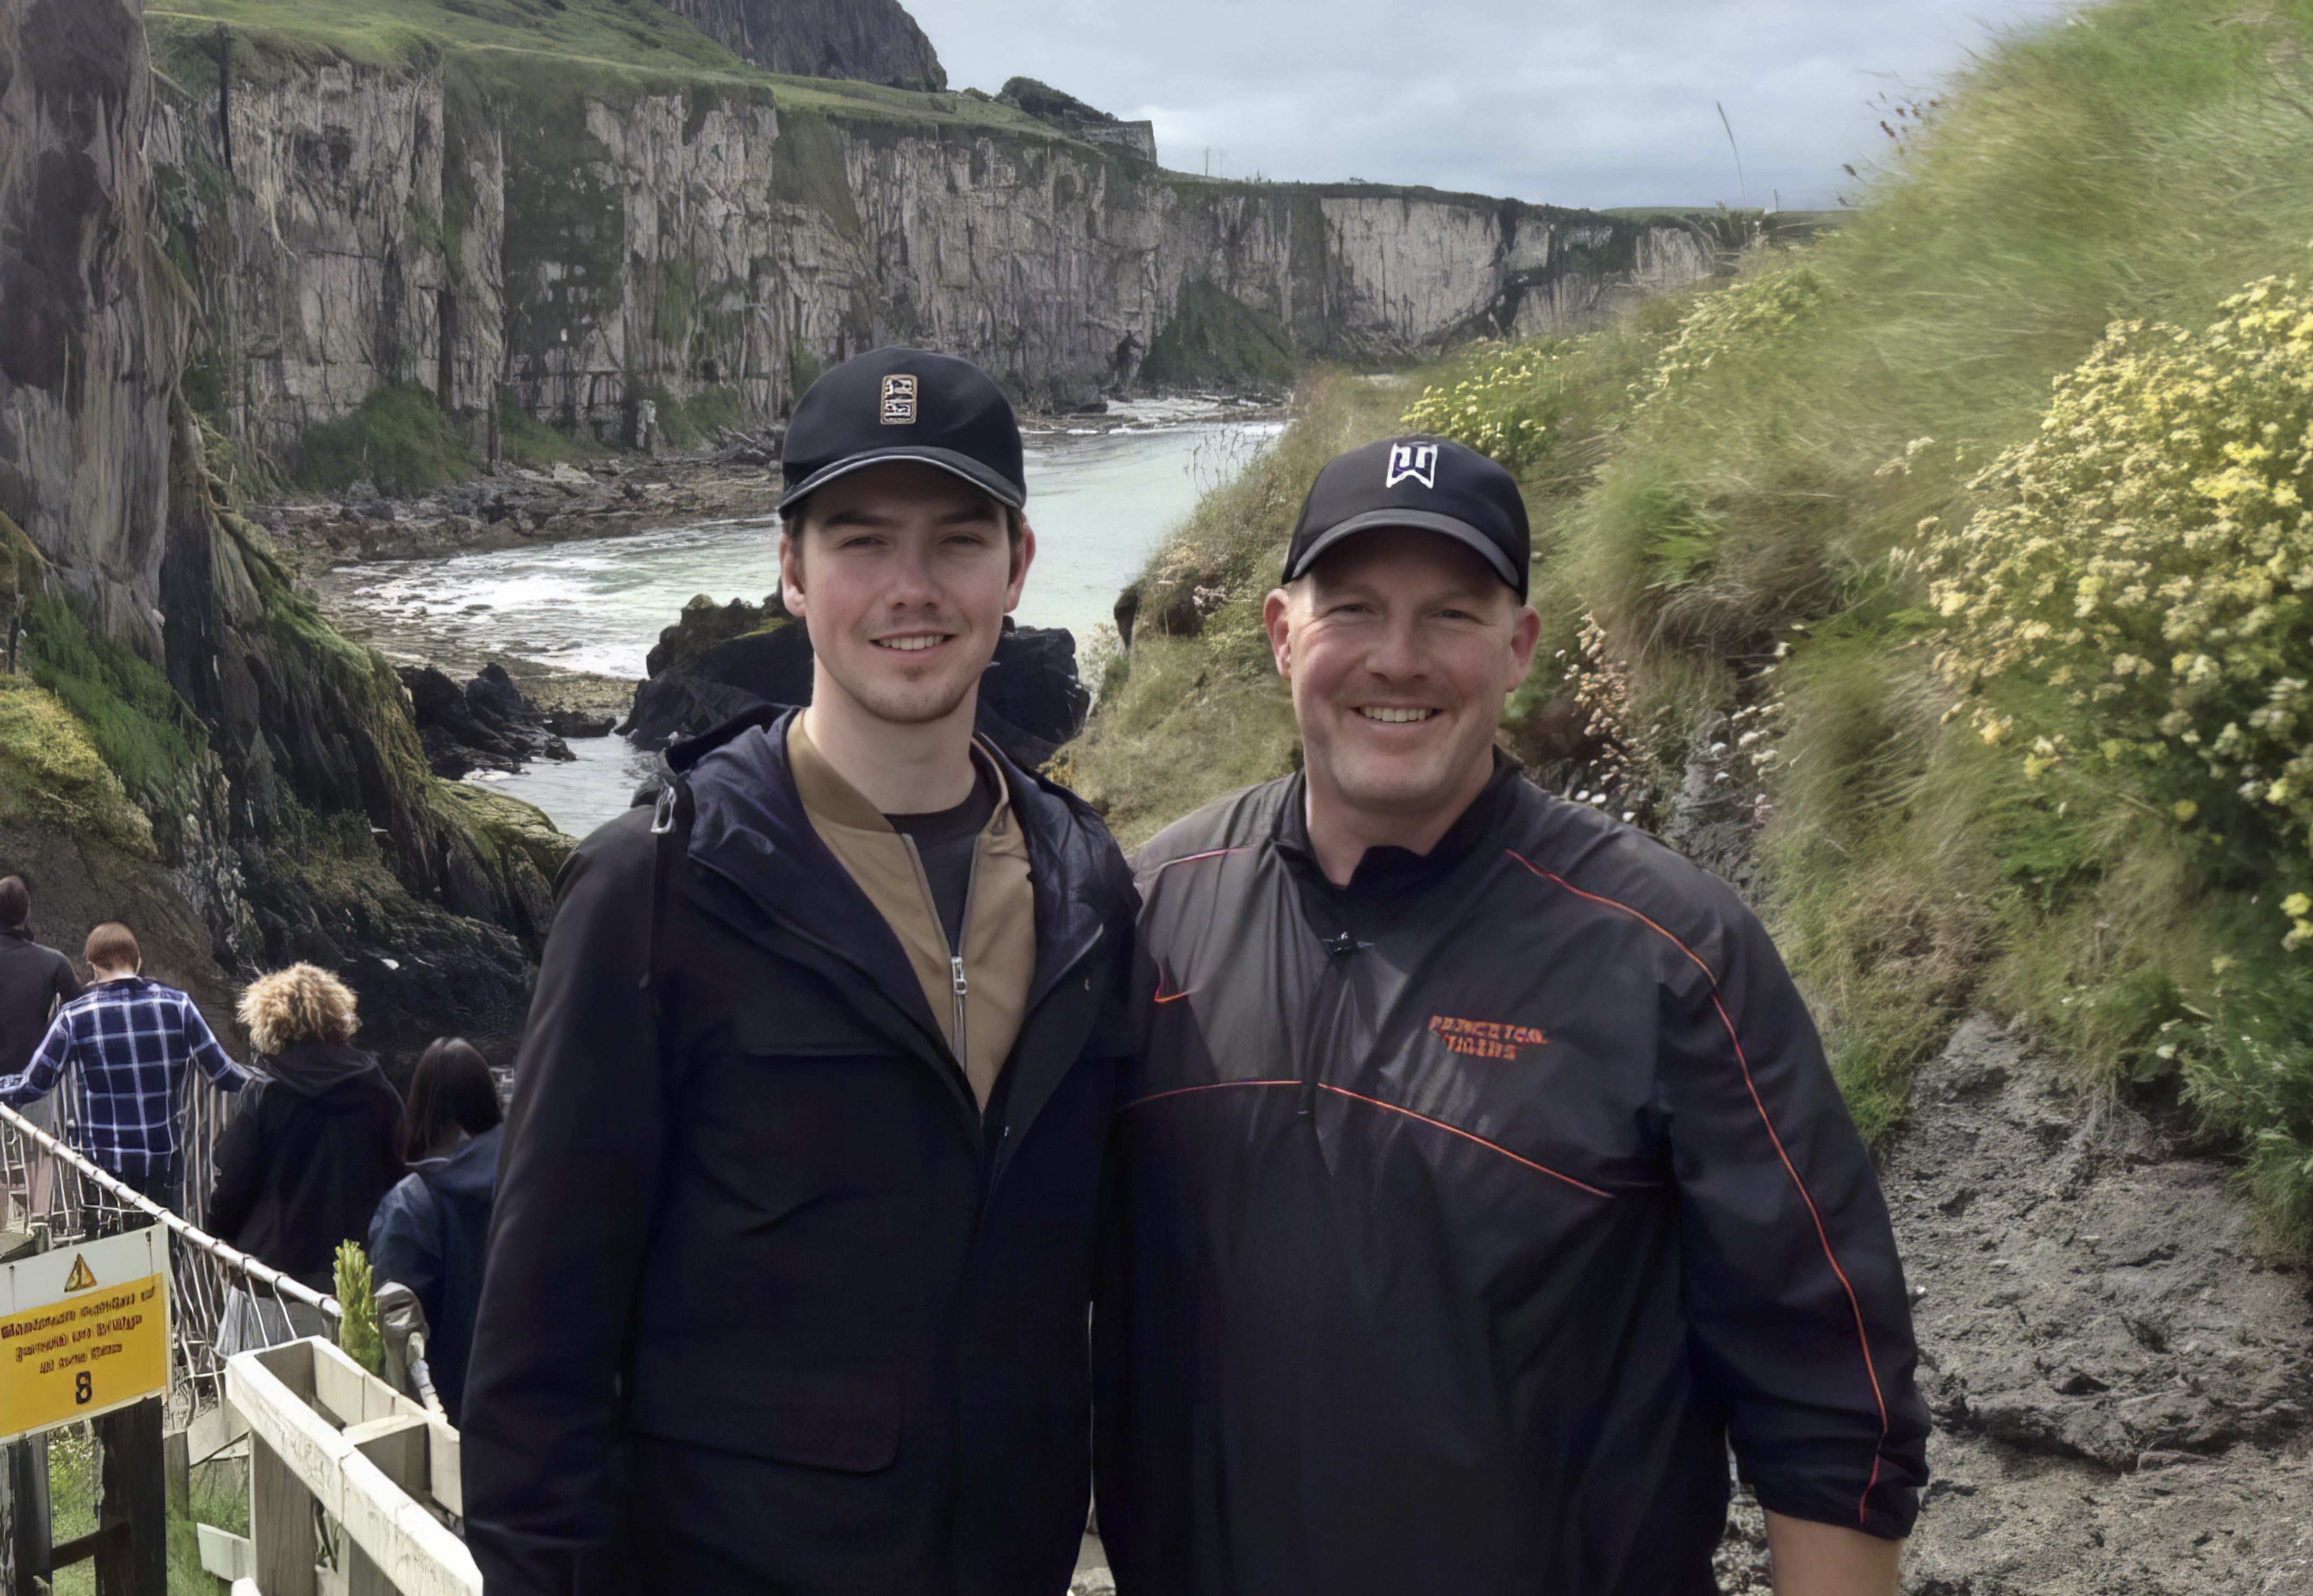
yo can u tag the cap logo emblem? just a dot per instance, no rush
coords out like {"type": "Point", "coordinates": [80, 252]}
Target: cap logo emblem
{"type": "Point", "coordinates": [1417, 461]}
{"type": "Point", "coordinates": [898, 401]}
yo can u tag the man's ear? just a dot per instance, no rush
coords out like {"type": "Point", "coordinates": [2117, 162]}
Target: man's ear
{"type": "Point", "coordinates": [791, 571]}
{"type": "Point", "coordinates": [1277, 620]}
{"type": "Point", "coordinates": [1526, 633]}
{"type": "Point", "coordinates": [1023, 555]}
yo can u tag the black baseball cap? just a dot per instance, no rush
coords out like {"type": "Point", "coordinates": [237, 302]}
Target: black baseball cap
{"type": "Point", "coordinates": [1431, 484]}
{"type": "Point", "coordinates": [904, 405]}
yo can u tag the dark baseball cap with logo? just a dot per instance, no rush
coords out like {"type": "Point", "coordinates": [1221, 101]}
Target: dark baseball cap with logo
{"type": "Point", "coordinates": [1432, 483]}
{"type": "Point", "coordinates": [894, 404]}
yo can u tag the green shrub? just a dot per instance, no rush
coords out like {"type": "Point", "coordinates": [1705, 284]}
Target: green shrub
{"type": "Point", "coordinates": [2147, 560]}
{"type": "Point", "coordinates": [397, 438]}
{"type": "Point", "coordinates": [1508, 407]}
{"type": "Point", "coordinates": [357, 1333]}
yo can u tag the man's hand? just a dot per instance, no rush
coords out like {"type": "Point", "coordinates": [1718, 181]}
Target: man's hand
{"type": "Point", "coordinates": [1812, 1559]}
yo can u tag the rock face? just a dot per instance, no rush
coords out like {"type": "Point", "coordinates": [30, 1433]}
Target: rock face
{"type": "Point", "coordinates": [455, 221]}
{"type": "Point", "coordinates": [289, 810]}
{"type": "Point", "coordinates": [2118, 1373]}
{"type": "Point", "coordinates": [88, 330]}
{"type": "Point", "coordinates": [487, 724]}
{"type": "Point", "coordinates": [875, 42]}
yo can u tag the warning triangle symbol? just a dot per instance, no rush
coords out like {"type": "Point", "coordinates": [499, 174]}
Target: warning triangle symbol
{"type": "Point", "coordinates": [80, 1279]}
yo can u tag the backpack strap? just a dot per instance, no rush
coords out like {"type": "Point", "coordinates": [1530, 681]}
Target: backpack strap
{"type": "Point", "coordinates": [670, 818]}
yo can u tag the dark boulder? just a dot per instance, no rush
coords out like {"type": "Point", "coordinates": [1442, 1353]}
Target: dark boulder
{"type": "Point", "coordinates": [1030, 700]}
{"type": "Point", "coordinates": [487, 725]}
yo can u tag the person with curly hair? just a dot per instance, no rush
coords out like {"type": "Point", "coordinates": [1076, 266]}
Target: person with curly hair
{"type": "Point", "coordinates": [318, 1139]}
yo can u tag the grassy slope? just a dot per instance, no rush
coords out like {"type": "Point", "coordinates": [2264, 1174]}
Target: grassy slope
{"type": "Point", "coordinates": [1731, 522]}
{"type": "Point", "coordinates": [576, 41]}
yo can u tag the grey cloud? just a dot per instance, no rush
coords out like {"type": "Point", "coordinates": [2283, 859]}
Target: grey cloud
{"type": "Point", "coordinates": [1571, 103]}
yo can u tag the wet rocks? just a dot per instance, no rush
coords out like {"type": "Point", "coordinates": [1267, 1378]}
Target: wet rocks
{"type": "Point", "coordinates": [2099, 1326]}
{"type": "Point", "coordinates": [487, 724]}
{"type": "Point", "coordinates": [720, 662]}
{"type": "Point", "coordinates": [618, 495]}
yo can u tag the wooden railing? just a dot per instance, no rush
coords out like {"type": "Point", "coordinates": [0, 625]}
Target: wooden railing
{"type": "Point", "coordinates": [383, 1472]}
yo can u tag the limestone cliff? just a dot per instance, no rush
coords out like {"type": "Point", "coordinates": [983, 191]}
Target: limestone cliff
{"type": "Point", "coordinates": [456, 218]}
{"type": "Point", "coordinates": [89, 323]}
{"type": "Point", "coordinates": [874, 41]}
{"type": "Point", "coordinates": [279, 797]}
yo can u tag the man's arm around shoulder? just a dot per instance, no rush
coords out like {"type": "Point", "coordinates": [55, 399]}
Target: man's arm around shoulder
{"type": "Point", "coordinates": [575, 1190]}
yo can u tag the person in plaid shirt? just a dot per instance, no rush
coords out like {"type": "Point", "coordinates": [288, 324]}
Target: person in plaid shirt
{"type": "Point", "coordinates": [131, 1039]}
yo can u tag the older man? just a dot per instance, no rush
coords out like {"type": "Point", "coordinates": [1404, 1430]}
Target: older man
{"type": "Point", "coordinates": [1483, 1176]}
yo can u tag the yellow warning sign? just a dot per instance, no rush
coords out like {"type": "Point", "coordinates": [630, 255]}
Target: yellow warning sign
{"type": "Point", "coordinates": [82, 1332]}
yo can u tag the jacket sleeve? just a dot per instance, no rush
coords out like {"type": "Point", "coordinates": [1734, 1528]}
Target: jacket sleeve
{"type": "Point", "coordinates": [240, 1159]}
{"type": "Point", "coordinates": [48, 1062]}
{"type": "Point", "coordinates": [405, 1243]}
{"type": "Point", "coordinates": [1796, 1311]}
{"type": "Point", "coordinates": [578, 1175]}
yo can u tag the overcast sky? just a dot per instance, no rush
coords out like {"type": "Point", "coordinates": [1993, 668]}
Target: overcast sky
{"type": "Point", "coordinates": [1582, 102]}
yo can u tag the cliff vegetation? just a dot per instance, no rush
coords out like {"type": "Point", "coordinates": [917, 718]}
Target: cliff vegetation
{"type": "Point", "coordinates": [1953, 565]}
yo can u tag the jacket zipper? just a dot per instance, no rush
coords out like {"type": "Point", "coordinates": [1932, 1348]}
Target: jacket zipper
{"type": "Point", "coordinates": [960, 986]}
{"type": "Point", "coordinates": [1334, 990]}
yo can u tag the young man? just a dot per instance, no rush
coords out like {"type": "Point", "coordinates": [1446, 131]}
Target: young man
{"type": "Point", "coordinates": [131, 1040]}
{"type": "Point", "coordinates": [794, 1235]}
{"type": "Point", "coordinates": [1483, 1178]}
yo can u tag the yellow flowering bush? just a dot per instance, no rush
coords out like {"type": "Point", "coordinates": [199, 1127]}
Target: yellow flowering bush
{"type": "Point", "coordinates": [2149, 556]}
{"type": "Point", "coordinates": [1735, 318]}
{"type": "Point", "coordinates": [1508, 407]}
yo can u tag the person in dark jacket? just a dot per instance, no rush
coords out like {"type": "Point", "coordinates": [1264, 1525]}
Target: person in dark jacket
{"type": "Point", "coordinates": [34, 980]}
{"type": "Point", "coordinates": [797, 1211]}
{"type": "Point", "coordinates": [318, 1137]}
{"type": "Point", "coordinates": [431, 1230]}
{"type": "Point", "coordinates": [1483, 1177]}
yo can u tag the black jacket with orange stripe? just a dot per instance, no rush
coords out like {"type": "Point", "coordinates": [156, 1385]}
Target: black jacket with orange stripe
{"type": "Point", "coordinates": [1468, 1213]}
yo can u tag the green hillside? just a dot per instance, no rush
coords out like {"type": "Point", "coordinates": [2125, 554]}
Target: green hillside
{"type": "Point", "coordinates": [558, 43]}
{"type": "Point", "coordinates": [2024, 725]}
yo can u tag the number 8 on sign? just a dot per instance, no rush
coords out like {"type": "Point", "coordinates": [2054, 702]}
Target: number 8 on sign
{"type": "Point", "coordinates": [81, 1390]}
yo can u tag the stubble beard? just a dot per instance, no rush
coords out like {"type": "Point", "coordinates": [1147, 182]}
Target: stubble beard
{"type": "Point", "coordinates": [900, 701]}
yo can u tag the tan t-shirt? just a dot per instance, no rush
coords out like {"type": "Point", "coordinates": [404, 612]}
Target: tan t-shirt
{"type": "Point", "coordinates": [980, 1007]}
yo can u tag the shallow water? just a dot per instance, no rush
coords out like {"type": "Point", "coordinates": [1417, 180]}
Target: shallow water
{"type": "Point", "coordinates": [1100, 502]}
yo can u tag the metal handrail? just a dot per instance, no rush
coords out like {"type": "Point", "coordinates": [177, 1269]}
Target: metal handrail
{"type": "Point", "coordinates": [232, 1258]}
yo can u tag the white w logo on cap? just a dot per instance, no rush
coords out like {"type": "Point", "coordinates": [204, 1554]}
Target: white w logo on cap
{"type": "Point", "coordinates": [1417, 461]}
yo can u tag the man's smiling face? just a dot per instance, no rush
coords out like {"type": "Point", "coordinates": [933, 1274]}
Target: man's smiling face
{"type": "Point", "coordinates": [1401, 647]}
{"type": "Point", "coordinates": [904, 574]}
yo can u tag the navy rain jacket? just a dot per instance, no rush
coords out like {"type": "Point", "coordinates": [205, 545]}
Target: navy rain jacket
{"type": "Point", "coordinates": [1469, 1211]}
{"type": "Point", "coordinates": [770, 1297]}
{"type": "Point", "coordinates": [429, 1233]}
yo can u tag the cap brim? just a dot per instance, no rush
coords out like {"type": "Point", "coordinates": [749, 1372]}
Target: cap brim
{"type": "Point", "coordinates": [989, 481]}
{"type": "Point", "coordinates": [1426, 520]}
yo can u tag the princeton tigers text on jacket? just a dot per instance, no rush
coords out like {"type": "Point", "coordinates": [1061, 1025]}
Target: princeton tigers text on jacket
{"type": "Point", "coordinates": [1469, 1211]}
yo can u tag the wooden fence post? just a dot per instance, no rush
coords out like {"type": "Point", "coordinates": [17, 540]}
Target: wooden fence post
{"type": "Point", "coordinates": [133, 1515]}
{"type": "Point", "coordinates": [280, 1524]}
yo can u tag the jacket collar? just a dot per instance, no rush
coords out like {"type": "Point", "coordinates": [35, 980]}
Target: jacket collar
{"type": "Point", "coordinates": [1390, 873]}
{"type": "Point", "coordinates": [825, 794]}
{"type": "Point", "coordinates": [750, 828]}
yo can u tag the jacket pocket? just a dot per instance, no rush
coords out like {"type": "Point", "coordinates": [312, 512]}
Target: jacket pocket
{"type": "Point", "coordinates": [842, 1416]}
